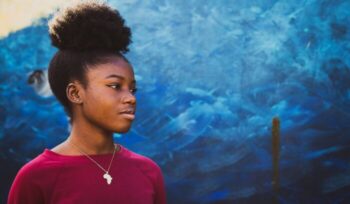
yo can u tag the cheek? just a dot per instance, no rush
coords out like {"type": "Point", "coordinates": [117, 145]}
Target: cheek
{"type": "Point", "coordinates": [101, 103]}
{"type": "Point", "coordinates": [104, 113]}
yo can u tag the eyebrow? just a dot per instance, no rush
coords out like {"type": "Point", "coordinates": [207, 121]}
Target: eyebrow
{"type": "Point", "coordinates": [119, 77]}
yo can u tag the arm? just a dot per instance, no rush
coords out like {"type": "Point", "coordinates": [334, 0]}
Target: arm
{"type": "Point", "coordinates": [160, 189]}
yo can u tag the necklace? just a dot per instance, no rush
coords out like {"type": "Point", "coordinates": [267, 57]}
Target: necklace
{"type": "Point", "coordinates": [106, 175]}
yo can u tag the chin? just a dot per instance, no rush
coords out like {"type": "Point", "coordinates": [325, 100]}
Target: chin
{"type": "Point", "coordinates": [120, 126]}
{"type": "Point", "coordinates": [122, 129]}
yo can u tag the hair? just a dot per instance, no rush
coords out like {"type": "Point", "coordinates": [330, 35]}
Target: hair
{"type": "Point", "coordinates": [85, 34]}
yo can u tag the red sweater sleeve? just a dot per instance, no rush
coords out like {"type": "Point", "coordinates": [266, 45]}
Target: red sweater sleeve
{"type": "Point", "coordinates": [154, 173]}
{"type": "Point", "coordinates": [25, 189]}
{"type": "Point", "coordinates": [160, 189]}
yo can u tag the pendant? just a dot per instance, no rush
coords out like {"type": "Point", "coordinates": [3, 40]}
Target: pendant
{"type": "Point", "coordinates": [108, 178]}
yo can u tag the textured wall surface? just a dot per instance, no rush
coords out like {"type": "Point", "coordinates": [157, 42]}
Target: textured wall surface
{"type": "Point", "coordinates": [211, 76]}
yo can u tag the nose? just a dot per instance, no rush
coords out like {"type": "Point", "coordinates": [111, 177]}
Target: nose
{"type": "Point", "coordinates": [129, 98]}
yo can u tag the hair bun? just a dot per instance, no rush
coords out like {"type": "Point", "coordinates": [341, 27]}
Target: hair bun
{"type": "Point", "coordinates": [89, 26]}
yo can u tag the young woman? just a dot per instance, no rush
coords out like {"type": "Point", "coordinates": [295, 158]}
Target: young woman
{"type": "Point", "coordinates": [96, 85]}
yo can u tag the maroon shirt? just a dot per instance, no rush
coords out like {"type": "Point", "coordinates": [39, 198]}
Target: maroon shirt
{"type": "Point", "coordinates": [55, 178]}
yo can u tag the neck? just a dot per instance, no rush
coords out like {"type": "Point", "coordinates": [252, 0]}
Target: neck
{"type": "Point", "coordinates": [90, 139]}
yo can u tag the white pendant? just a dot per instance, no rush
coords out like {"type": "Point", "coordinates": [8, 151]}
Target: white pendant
{"type": "Point", "coordinates": [108, 178]}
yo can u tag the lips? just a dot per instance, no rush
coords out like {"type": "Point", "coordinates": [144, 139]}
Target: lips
{"type": "Point", "coordinates": [128, 113]}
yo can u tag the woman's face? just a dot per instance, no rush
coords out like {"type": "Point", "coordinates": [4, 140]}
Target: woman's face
{"type": "Point", "coordinates": [109, 101]}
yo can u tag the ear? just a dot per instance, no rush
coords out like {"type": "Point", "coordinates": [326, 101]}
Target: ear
{"type": "Point", "coordinates": [74, 92]}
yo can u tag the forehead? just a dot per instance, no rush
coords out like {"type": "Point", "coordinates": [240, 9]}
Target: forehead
{"type": "Point", "coordinates": [114, 66]}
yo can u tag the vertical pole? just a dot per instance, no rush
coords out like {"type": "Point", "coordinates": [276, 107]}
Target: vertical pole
{"type": "Point", "coordinates": [275, 155]}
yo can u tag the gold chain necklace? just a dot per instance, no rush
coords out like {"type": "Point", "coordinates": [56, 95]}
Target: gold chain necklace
{"type": "Point", "coordinates": [106, 175]}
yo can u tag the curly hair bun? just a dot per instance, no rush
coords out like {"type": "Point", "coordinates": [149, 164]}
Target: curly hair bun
{"type": "Point", "coordinates": [89, 26]}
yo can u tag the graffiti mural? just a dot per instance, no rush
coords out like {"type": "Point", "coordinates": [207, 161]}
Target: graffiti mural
{"type": "Point", "coordinates": [239, 101]}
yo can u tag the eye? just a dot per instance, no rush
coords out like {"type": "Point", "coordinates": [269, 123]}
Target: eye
{"type": "Point", "coordinates": [133, 91]}
{"type": "Point", "coordinates": [115, 86]}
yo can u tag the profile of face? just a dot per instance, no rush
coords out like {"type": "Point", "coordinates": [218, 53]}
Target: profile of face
{"type": "Point", "coordinates": [108, 101]}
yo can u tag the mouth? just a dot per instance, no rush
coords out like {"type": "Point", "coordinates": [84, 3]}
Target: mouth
{"type": "Point", "coordinates": [128, 114]}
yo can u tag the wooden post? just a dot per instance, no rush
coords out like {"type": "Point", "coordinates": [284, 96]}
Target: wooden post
{"type": "Point", "coordinates": [275, 155]}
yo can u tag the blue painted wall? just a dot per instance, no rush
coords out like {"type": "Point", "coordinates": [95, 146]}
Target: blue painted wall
{"type": "Point", "coordinates": [211, 75]}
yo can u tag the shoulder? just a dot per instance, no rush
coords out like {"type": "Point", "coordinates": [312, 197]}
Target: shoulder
{"type": "Point", "coordinates": [32, 179]}
{"type": "Point", "coordinates": [150, 169]}
{"type": "Point", "coordinates": [144, 163]}
{"type": "Point", "coordinates": [41, 171]}
{"type": "Point", "coordinates": [39, 166]}
{"type": "Point", "coordinates": [138, 158]}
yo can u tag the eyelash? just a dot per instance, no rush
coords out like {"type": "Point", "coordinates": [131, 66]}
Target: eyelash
{"type": "Point", "coordinates": [117, 87]}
